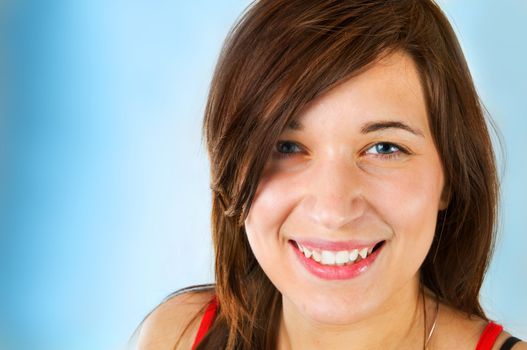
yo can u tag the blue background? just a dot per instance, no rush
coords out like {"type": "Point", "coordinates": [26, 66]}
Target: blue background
{"type": "Point", "coordinates": [104, 179]}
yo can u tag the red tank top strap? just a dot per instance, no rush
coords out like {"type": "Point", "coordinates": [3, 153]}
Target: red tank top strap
{"type": "Point", "coordinates": [489, 336]}
{"type": "Point", "coordinates": [206, 321]}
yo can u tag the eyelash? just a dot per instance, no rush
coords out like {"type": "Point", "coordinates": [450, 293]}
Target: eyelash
{"type": "Point", "coordinates": [389, 156]}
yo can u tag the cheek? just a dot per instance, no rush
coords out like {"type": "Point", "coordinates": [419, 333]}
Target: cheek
{"type": "Point", "coordinates": [272, 203]}
{"type": "Point", "coordinates": [409, 201]}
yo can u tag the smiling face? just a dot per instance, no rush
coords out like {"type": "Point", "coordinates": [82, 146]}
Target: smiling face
{"type": "Point", "coordinates": [356, 172]}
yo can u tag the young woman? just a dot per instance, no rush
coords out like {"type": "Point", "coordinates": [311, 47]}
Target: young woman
{"type": "Point", "coordinates": [354, 187]}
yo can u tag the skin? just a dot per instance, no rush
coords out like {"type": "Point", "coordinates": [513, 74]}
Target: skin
{"type": "Point", "coordinates": [337, 186]}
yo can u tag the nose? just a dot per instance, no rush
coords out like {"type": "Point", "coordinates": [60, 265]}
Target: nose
{"type": "Point", "coordinates": [335, 195]}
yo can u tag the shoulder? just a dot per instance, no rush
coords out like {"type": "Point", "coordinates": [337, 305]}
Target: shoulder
{"type": "Point", "coordinates": [456, 330]}
{"type": "Point", "coordinates": [177, 318]}
{"type": "Point", "coordinates": [503, 337]}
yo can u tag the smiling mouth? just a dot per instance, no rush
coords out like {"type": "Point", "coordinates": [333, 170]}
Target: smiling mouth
{"type": "Point", "coordinates": [337, 258]}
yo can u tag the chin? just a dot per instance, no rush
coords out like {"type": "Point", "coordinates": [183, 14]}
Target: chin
{"type": "Point", "coordinates": [337, 310]}
{"type": "Point", "coordinates": [338, 316]}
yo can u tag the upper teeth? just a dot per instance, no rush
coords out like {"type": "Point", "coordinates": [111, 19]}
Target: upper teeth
{"type": "Point", "coordinates": [341, 257]}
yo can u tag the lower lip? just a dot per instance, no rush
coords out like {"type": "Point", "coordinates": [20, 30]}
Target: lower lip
{"type": "Point", "coordinates": [336, 272]}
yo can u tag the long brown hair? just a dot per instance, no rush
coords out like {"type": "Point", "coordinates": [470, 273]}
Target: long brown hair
{"type": "Point", "coordinates": [282, 54]}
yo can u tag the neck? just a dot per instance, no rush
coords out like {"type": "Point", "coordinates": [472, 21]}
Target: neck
{"type": "Point", "coordinates": [396, 324]}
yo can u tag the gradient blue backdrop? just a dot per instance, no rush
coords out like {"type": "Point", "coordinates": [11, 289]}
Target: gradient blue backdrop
{"type": "Point", "coordinates": [105, 197]}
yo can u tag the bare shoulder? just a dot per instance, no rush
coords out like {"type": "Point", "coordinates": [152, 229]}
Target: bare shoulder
{"type": "Point", "coordinates": [503, 337]}
{"type": "Point", "coordinates": [520, 346]}
{"type": "Point", "coordinates": [177, 318]}
{"type": "Point", "coordinates": [456, 330]}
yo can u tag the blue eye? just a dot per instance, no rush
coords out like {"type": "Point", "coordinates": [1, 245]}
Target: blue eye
{"type": "Point", "coordinates": [286, 149]}
{"type": "Point", "coordinates": [383, 150]}
{"type": "Point", "coordinates": [386, 150]}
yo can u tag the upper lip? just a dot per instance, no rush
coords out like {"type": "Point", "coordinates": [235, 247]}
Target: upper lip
{"type": "Point", "coordinates": [314, 243]}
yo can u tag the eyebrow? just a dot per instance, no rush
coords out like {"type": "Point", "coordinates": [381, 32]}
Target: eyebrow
{"type": "Point", "coordinates": [369, 127]}
{"type": "Point", "coordinates": [392, 124]}
{"type": "Point", "coordinates": [295, 125]}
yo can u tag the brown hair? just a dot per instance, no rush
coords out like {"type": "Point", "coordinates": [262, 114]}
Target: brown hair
{"type": "Point", "coordinates": [284, 53]}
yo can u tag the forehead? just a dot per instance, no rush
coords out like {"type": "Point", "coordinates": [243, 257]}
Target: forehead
{"type": "Point", "coordinates": [389, 90]}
